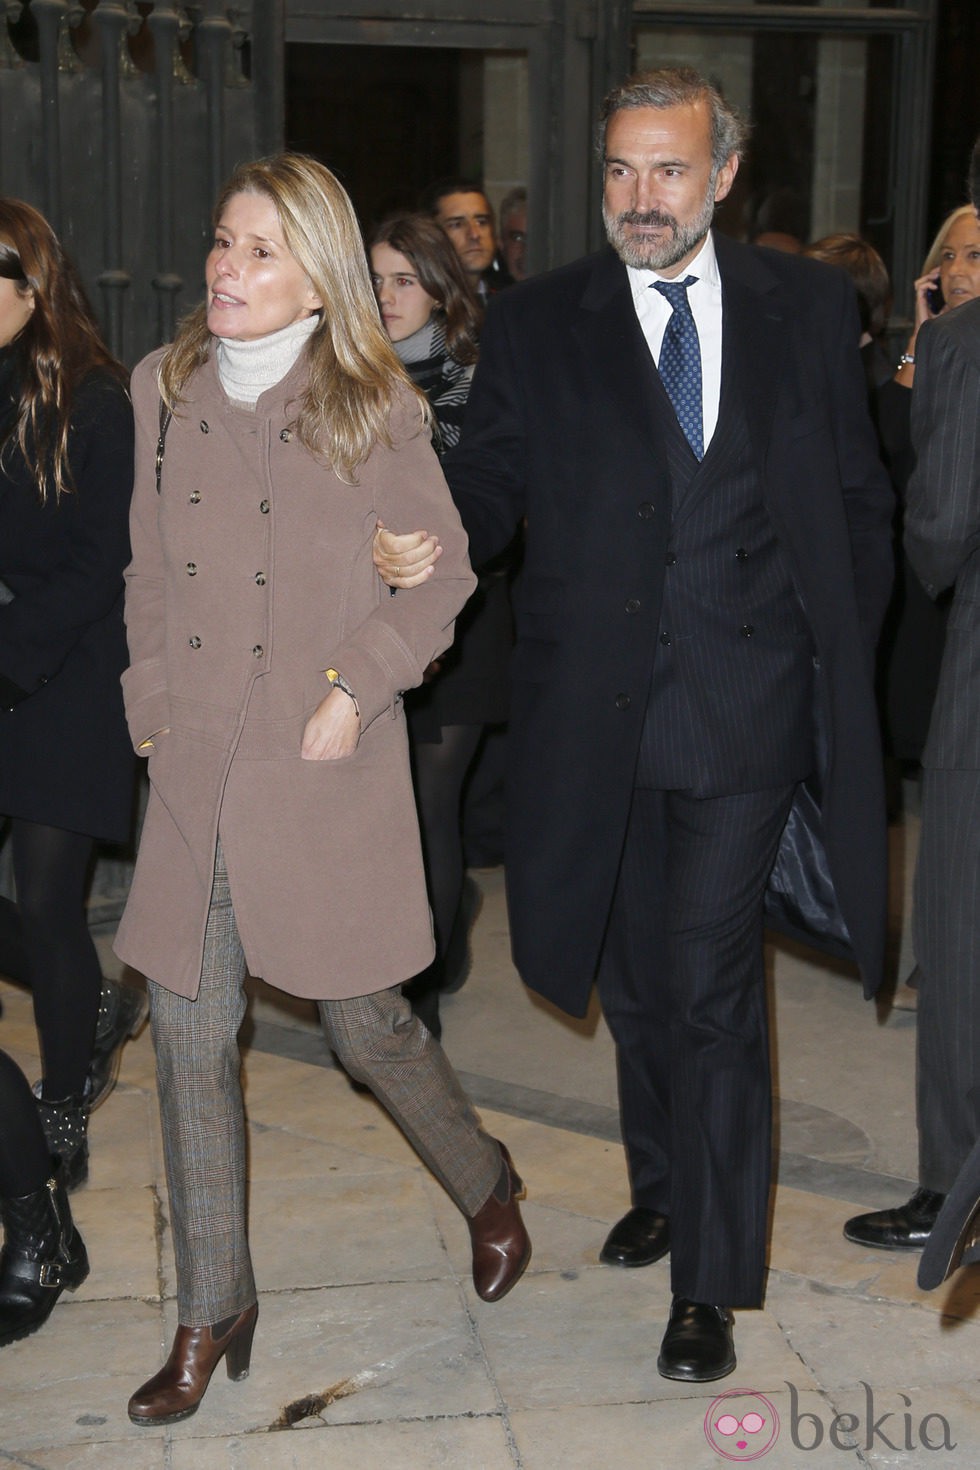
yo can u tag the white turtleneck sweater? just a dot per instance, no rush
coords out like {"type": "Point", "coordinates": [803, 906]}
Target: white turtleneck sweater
{"type": "Point", "coordinates": [248, 369]}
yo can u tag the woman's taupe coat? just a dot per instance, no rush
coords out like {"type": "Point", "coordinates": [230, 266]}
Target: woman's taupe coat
{"type": "Point", "coordinates": [251, 575]}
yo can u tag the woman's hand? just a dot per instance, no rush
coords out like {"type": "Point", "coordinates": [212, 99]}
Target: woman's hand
{"type": "Point", "coordinates": [333, 729]}
{"type": "Point", "coordinates": [905, 372]}
{"type": "Point", "coordinates": [405, 561]}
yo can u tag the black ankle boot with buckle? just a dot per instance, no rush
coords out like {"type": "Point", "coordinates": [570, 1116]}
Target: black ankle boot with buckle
{"type": "Point", "coordinates": [42, 1254]}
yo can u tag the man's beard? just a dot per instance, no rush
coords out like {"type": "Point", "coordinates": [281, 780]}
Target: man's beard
{"type": "Point", "coordinates": [657, 255]}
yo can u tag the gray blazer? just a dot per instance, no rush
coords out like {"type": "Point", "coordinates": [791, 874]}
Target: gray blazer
{"type": "Point", "coordinates": [942, 522]}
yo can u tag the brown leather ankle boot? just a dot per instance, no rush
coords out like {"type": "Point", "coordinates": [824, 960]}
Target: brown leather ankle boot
{"type": "Point", "coordinates": [175, 1392]}
{"type": "Point", "coordinates": [501, 1245]}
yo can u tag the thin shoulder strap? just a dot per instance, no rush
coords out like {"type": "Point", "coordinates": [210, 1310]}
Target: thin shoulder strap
{"type": "Point", "coordinates": [165, 416]}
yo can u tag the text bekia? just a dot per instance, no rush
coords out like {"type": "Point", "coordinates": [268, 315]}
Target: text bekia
{"type": "Point", "coordinates": [900, 1429]}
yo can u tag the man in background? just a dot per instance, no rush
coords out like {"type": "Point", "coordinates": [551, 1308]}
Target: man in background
{"type": "Point", "coordinates": [513, 232]}
{"type": "Point", "coordinates": [463, 210]}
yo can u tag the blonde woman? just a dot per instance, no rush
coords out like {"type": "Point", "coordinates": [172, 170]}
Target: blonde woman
{"type": "Point", "coordinates": [267, 665]}
{"type": "Point", "coordinates": [950, 276]}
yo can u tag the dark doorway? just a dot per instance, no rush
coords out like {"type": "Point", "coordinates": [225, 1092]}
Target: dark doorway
{"type": "Point", "coordinates": [385, 119]}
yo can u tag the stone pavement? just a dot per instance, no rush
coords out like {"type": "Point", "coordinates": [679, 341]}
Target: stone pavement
{"type": "Point", "coordinates": [374, 1353]}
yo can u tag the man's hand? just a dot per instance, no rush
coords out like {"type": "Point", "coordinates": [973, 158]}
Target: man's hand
{"type": "Point", "coordinates": [405, 561]}
{"type": "Point", "coordinates": [333, 729]}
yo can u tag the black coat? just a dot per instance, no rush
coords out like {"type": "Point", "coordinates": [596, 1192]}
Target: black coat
{"type": "Point", "coordinates": [471, 686]}
{"type": "Point", "coordinates": [65, 756]}
{"type": "Point", "coordinates": [558, 429]}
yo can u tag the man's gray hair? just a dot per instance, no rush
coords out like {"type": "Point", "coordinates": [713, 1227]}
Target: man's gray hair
{"type": "Point", "coordinates": [678, 86]}
{"type": "Point", "coordinates": [511, 201]}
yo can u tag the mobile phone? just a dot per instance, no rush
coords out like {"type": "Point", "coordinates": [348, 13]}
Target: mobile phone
{"type": "Point", "coordinates": [935, 299]}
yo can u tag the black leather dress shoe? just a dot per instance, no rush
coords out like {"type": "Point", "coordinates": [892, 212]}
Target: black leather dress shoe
{"type": "Point", "coordinates": [698, 1345]}
{"type": "Point", "coordinates": [906, 1228]}
{"type": "Point", "coordinates": [641, 1237]}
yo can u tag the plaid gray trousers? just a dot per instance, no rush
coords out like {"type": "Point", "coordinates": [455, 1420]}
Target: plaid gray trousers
{"type": "Point", "coordinates": [378, 1040]}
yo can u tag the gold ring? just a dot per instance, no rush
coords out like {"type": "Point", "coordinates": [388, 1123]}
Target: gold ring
{"type": "Point", "coordinates": [398, 571]}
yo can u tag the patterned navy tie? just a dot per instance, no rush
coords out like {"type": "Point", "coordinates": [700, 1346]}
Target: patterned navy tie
{"type": "Point", "coordinates": [680, 362]}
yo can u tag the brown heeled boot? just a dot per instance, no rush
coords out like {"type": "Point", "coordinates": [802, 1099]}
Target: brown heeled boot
{"type": "Point", "coordinates": [501, 1244]}
{"type": "Point", "coordinates": [175, 1392]}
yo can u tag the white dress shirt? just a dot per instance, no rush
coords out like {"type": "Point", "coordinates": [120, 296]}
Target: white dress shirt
{"type": "Point", "coordinates": [654, 311]}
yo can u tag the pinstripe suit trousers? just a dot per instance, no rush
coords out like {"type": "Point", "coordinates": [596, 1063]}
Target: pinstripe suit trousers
{"type": "Point", "coordinates": [946, 936]}
{"type": "Point", "coordinates": [378, 1040]}
{"type": "Point", "coordinates": [682, 985]}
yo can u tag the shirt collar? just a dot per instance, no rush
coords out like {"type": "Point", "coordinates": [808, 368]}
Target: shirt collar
{"type": "Point", "coordinates": [704, 266]}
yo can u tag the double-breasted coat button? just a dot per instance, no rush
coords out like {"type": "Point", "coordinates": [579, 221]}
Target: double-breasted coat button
{"type": "Point", "coordinates": [205, 427]}
{"type": "Point", "coordinates": [194, 497]}
{"type": "Point", "coordinates": [194, 642]}
{"type": "Point", "coordinates": [260, 579]}
{"type": "Point", "coordinates": [665, 639]}
{"type": "Point", "coordinates": [285, 436]}
{"type": "Point", "coordinates": [192, 569]}
{"type": "Point", "coordinates": [747, 630]}
{"type": "Point", "coordinates": [670, 558]}
{"type": "Point", "coordinates": [645, 510]}
{"type": "Point", "coordinates": [632, 604]}
{"type": "Point", "coordinates": [258, 651]}
{"type": "Point", "coordinates": [623, 701]}
{"type": "Point", "coordinates": [741, 554]}
{"type": "Point", "coordinates": [264, 507]}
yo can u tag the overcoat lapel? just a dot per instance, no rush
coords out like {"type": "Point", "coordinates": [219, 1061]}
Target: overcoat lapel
{"type": "Point", "coordinates": [753, 357]}
{"type": "Point", "coordinates": [621, 366]}
{"type": "Point", "coordinates": [754, 338]}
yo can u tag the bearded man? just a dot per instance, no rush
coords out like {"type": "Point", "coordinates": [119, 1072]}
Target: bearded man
{"type": "Point", "coordinates": [682, 422]}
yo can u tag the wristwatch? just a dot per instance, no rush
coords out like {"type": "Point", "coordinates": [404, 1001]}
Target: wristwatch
{"type": "Point", "coordinates": [339, 682]}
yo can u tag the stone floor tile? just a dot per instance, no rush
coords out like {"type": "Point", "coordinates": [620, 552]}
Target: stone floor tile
{"type": "Point", "coordinates": [820, 1133]}
{"type": "Point", "coordinates": [320, 1103]}
{"type": "Point", "coordinates": [337, 1229]}
{"type": "Point", "coordinates": [807, 1241]}
{"type": "Point", "coordinates": [408, 1351]}
{"type": "Point", "coordinates": [667, 1435]}
{"type": "Point", "coordinates": [277, 1154]}
{"type": "Point", "coordinates": [915, 1436]}
{"type": "Point", "coordinates": [440, 1444]}
{"type": "Point", "coordinates": [88, 1358]}
{"type": "Point", "coordinates": [118, 1227]}
{"type": "Point", "coordinates": [846, 1339]}
{"type": "Point", "coordinates": [148, 1453]}
{"type": "Point", "coordinates": [124, 1141]}
{"type": "Point", "coordinates": [593, 1337]}
{"type": "Point", "coordinates": [567, 1170]}
{"type": "Point", "coordinates": [892, 1276]}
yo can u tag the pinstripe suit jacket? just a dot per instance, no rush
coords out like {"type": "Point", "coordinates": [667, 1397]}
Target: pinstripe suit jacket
{"type": "Point", "coordinates": [942, 522]}
{"type": "Point", "coordinates": [560, 428]}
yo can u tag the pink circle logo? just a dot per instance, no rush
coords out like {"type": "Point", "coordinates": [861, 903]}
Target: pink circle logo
{"type": "Point", "coordinates": [741, 1425]}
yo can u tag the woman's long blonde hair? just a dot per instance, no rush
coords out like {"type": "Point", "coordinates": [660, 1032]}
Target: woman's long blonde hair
{"type": "Point", "coordinates": [354, 372]}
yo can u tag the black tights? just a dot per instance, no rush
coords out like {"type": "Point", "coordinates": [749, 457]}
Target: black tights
{"type": "Point", "coordinates": [440, 771]}
{"type": "Point", "coordinates": [45, 943]}
{"type": "Point", "coordinates": [24, 1161]}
